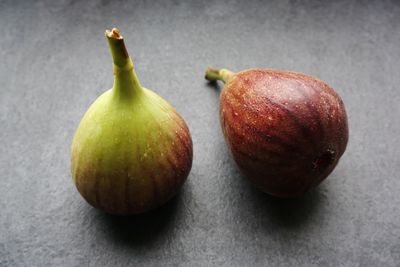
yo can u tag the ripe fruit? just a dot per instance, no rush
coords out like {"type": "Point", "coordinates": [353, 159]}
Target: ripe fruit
{"type": "Point", "coordinates": [132, 151]}
{"type": "Point", "coordinates": [286, 130]}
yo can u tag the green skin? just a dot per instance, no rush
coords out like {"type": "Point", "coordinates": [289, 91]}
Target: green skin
{"type": "Point", "coordinates": [132, 151]}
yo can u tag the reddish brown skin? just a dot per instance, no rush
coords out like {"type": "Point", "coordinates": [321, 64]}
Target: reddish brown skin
{"type": "Point", "coordinates": [286, 130]}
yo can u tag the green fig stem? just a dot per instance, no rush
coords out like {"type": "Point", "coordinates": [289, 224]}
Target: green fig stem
{"type": "Point", "coordinates": [219, 74]}
{"type": "Point", "coordinates": [126, 82]}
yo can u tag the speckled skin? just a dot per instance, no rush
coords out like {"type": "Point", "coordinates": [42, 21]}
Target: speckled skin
{"type": "Point", "coordinates": [286, 130]}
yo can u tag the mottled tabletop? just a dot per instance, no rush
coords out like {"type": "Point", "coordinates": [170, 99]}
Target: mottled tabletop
{"type": "Point", "coordinates": [54, 61]}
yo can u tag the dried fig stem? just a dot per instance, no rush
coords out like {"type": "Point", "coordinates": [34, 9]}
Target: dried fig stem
{"type": "Point", "coordinates": [219, 74]}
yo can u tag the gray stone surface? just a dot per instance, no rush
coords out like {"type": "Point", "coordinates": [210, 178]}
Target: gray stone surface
{"type": "Point", "coordinates": [54, 62]}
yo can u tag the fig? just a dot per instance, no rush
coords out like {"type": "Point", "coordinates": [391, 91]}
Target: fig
{"type": "Point", "coordinates": [132, 151]}
{"type": "Point", "coordinates": [286, 130]}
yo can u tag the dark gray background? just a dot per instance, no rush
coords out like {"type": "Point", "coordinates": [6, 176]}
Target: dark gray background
{"type": "Point", "coordinates": [54, 61]}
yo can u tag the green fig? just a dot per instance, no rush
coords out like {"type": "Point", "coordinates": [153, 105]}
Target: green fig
{"type": "Point", "coordinates": [132, 151]}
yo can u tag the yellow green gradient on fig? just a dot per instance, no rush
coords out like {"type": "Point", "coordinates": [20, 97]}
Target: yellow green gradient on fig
{"type": "Point", "coordinates": [131, 151]}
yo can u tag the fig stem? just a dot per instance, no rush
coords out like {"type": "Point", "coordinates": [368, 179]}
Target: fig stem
{"type": "Point", "coordinates": [219, 74]}
{"type": "Point", "coordinates": [126, 81]}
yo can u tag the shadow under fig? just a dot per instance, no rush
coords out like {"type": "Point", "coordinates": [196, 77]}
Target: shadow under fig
{"type": "Point", "coordinates": [217, 86]}
{"type": "Point", "coordinates": [289, 213]}
{"type": "Point", "coordinates": [143, 229]}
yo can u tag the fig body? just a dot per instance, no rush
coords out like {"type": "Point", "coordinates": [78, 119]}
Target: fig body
{"type": "Point", "coordinates": [286, 130]}
{"type": "Point", "coordinates": [132, 151]}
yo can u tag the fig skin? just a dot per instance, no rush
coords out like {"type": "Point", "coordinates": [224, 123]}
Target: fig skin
{"type": "Point", "coordinates": [286, 130]}
{"type": "Point", "coordinates": [132, 151]}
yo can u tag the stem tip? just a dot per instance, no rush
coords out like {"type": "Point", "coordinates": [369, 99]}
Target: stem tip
{"type": "Point", "coordinates": [212, 74]}
{"type": "Point", "coordinates": [114, 33]}
{"type": "Point", "coordinates": [219, 74]}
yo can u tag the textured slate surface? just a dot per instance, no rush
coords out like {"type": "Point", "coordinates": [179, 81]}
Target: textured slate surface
{"type": "Point", "coordinates": [54, 62]}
